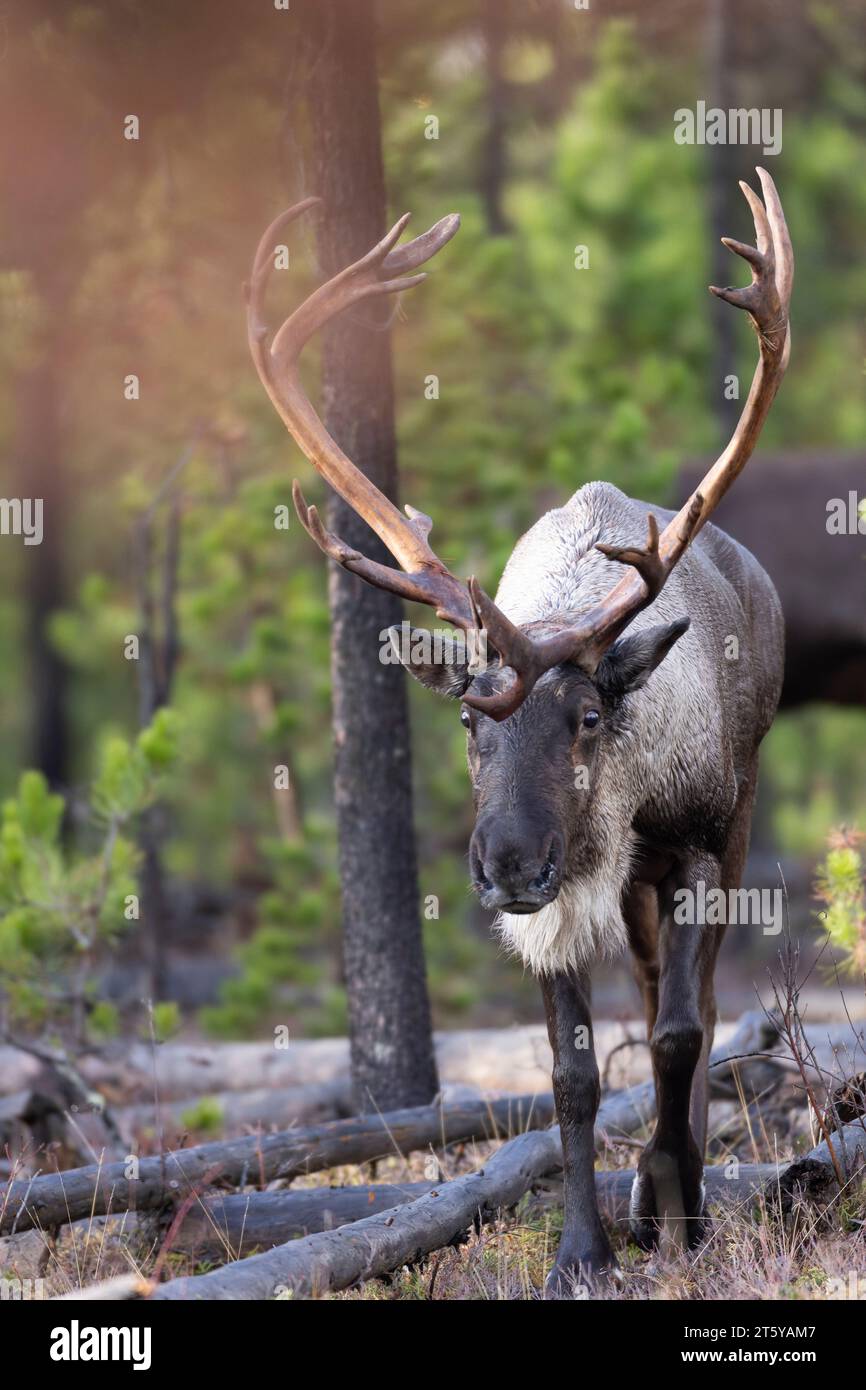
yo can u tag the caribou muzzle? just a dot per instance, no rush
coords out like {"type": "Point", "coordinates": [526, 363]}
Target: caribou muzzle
{"type": "Point", "coordinates": [514, 869]}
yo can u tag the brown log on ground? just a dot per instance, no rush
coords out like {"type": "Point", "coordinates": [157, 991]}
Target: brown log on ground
{"type": "Point", "coordinates": [377, 1245]}
{"type": "Point", "coordinates": [230, 1226]}
{"type": "Point", "coordinates": [849, 1148]}
{"type": "Point", "coordinates": [57, 1198]}
{"type": "Point", "coordinates": [835, 1051]}
{"type": "Point", "coordinates": [236, 1111]}
{"type": "Point", "coordinates": [622, 1112]}
{"type": "Point", "coordinates": [219, 1227]}
{"type": "Point", "coordinates": [234, 1225]}
{"type": "Point", "coordinates": [503, 1060]}
{"type": "Point", "coordinates": [817, 1174]}
{"type": "Point", "coordinates": [493, 1059]}
{"type": "Point", "coordinates": [226, 1225]}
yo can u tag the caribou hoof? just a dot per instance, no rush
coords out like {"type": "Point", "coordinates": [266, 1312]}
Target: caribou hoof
{"type": "Point", "coordinates": [666, 1208]}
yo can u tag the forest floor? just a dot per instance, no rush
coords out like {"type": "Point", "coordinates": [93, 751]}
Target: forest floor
{"type": "Point", "coordinates": [748, 1254]}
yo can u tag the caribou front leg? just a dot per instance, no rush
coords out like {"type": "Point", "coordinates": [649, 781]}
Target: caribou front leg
{"type": "Point", "coordinates": [584, 1250]}
{"type": "Point", "coordinates": [667, 1197]}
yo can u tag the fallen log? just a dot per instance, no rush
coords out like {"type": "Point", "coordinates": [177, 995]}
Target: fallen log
{"type": "Point", "coordinates": [227, 1225]}
{"type": "Point", "coordinates": [505, 1059]}
{"type": "Point", "coordinates": [233, 1225]}
{"type": "Point", "coordinates": [360, 1255]}
{"type": "Point", "coordinates": [377, 1245]}
{"type": "Point", "coordinates": [55, 1199]}
{"type": "Point", "coordinates": [849, 1149]}
{"type": "Point", "coordinates": [166, 1178]}
{"type": "Point", "coordinates": [491, 1059]}
{"type": "Point", "coordinates": [833, 1052]}
{"type": "Point", "coordinates": [233, 1112]}
{"type": "Point", "coordinates": [621, 1113]}
{"type": "Point", "coordinates": [817, 1175]}
{"type": "Point", "coordinates": [237, 1224]}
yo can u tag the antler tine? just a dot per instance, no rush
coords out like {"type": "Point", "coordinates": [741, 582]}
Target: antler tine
{"type": "Point", "coordinates": [651, 566]}
{"type": "Point", "coordinates": [514, 648]}
{"type": "Point", "coordinates": [585, 641]}
{"type": "Point", "coordinates": [784, 254]}
{"type": "Point", "coordinates": [381, 576]}
{"type": "Point", "coordinates": [512, 645]}
{"type": "Point", "coordinates": [423, 247]}
{"type": "Point", "coordinates": [356, 282]}
{"type": "Point", "coordinates": [378, 272]}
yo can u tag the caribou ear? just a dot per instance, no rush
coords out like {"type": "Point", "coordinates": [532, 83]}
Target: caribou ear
{"type": "Point", "coordinates": [436, 659]}
{"type": "Point", "coordinates": [631, 661]}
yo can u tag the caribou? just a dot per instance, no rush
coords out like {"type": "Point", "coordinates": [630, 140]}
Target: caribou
{"type": "Point", "coordinates": [612, 732]}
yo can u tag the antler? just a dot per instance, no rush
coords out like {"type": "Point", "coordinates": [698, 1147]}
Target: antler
{"type": "Point", "coordinates": [382, 271]}
{"type": "Point", "coordinates": [424, 578]}
{"type": "Point", "coordinates": [766, 300]}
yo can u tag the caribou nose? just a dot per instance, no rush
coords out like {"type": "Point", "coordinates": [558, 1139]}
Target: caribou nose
{"type": "Point", "coordinates": [515, 875]}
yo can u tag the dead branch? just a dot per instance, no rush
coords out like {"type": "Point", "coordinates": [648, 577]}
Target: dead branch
{"type": "Point", "coordinates": [55, 1199]}
{"type": "Point", "coordinates": [238, 1111]}
{"type": "Point", "coordinates": [378, 1244]}
{"type": "Point", "coordinates": [236, 1224]}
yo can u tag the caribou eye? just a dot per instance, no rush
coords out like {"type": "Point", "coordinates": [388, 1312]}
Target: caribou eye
{"type": "Point", "coordinates": [465, 718]}
{"type": "Point", "coordinates": [591, 718]}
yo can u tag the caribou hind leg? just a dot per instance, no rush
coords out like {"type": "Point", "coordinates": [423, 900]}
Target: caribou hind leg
{"type": "Point", "coordinates": [733, 863]}
{"type": "Point", "coordinates": [641, 915]}
{"type": "Point", "coordinates": [668, 1194]}
{"type": "Point", "coordinates": [667, 1197]}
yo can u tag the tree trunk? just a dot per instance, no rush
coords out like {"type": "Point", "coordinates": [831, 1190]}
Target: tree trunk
{"type": "Point", "coordinates": [42, 473]}
{"type": "Point", "coordinates": [494, 22]}
{"type": "Point", "coordinates": [157, 589]}
{"type": "Point", "coordinates": [389, 1012]}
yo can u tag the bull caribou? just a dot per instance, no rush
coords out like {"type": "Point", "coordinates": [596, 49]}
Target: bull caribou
{"type": "Point", "coordinates": [612, 733]}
